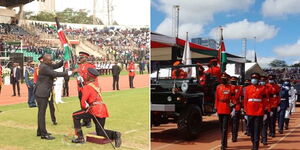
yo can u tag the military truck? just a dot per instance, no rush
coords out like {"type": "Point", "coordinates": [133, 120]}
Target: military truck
{"type": "Point", "coordinates": [183, 101]}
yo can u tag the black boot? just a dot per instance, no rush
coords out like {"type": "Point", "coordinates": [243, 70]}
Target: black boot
{"type": "Point", "coordinates": [80, 138]}
{"type": "Point", "coordinates": [118, 140]}
{"type": "Point", "coordinates": [286, 123]}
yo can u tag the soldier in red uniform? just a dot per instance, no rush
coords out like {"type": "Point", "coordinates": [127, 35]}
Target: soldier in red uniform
{"type": "Point", "coordinates": [178, 73]}
{"type": "Point", "coordinates": [81, 79]}
{"type": "Point", "coordinates": [214, 70]}
{"type": "Point", "coordinates": [236, 92]}
{"type": "Point", "coordinates": [202, 77]}
{"type": "Point", "coordinates": [246, 83]}
{"type": "Point", "coordinates": [264, 132]}
{"type": "Point", "coordinates": [274, 90]}
{"type": "Point", "coordinates": [97, 110]}
{"type": "Point", "coordinates": [254, 106]}
{"type": "Point", "coordinates": [223, 105]}
{"type": "Point", "coordinates": [131, 73]}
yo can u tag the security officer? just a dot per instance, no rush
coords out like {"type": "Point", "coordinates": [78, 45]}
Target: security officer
{"type": "Point", "coordinates": [292, 100]}
{"type": "Point", "coordinates": [131, 73]}
{"type": "Point", "coordinates": [274, 99]}
{"type": "Point", "coordinates": [214, 70]}
{"type": "Point", "coordinates": [82, 71]}
{"type": "Point", "coordinates": [223, 105]}
{"type": "Point", "coordinates": [202, 76]}
{"type": "Point", "coordinates": [178, 73]}
{"type": "Point", "coordinates": [284, 103]}
{"type": "Point", "coordinates": [236, 92]}
{"type": "Point", "coordinates": [254, 106]}
{"type": "Point", "coordinates": [264, 132]}
{"type": "Point", "coordinates": [97, 110]}
{"type": "Point", "coordinates": [29, 72]}
{"type": "Point", "coordinates": [43, 89]}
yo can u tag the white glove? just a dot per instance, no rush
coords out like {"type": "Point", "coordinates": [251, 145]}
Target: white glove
{"type": "Point", "coordinates": [246, 117]}
{"type": "Point", "coordinates": [271, 113]}
{"type": "Point", "coordinates": [265, 117]}
{"type": "Point", "coordinates": [79, 78]}
{"type": "Point", "coordinates": [278, 108]}
{"type": "Point", "coordinates": [70, 73]}
{"type": "Point", "coordinates": [232, 114]}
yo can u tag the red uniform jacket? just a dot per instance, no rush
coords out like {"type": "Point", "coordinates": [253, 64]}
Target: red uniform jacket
{"type": "Point", "coordinates": [236, 93]}
{"type": "Point", "coordinates": [131, 70]}
{"type": "Point", "coordinates": [267, 99]}
{"type": "Point", "coordinates": [274, 90]}
{"type": "Point", "coordinates": [215, 71]}
{"type": "Point", "coordinates": [202, 79]}
{"type": "Point", "coordinates": [96, 105]}
{"type": "Point", "coordinates": [223, 99]}
{"type": "Point", "coordinates": [254, 100]}
{"type": "Point", "coordinates": [178, 74]}
{"type": "Point", "coordinates": [83, 72]}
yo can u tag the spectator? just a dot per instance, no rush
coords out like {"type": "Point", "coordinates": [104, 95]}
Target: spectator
{"type": "Point", "coordinates": [15, 78]}
{"type": "Point", "coordinates": [29, 72]}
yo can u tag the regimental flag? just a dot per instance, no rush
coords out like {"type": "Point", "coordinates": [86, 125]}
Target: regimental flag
{"type": "Point", "coordinates": [222, 53]}
{"type": "Point", "coordinates": [64, 42]}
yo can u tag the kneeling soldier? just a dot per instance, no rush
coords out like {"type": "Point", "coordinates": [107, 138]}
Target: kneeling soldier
{"type": "Point", "coordinates": [97, 110]}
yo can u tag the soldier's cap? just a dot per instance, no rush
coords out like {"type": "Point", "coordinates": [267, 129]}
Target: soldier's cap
{"type": "Point", "coordinates": [93, 72]}
{"type": "Point", "coordinates": [233, 78]}
{"type": "Point", "coordinates": [263, 78]}
{"type": "Point", "coordinates": [41, 58]}
{"type": "Point", "coordinates": [84, 54]}
{"type": "Point", "coordinates": [255, 75]}
{"type": "Point", "coordinates": [224, 75]}
{"type": "Point", "coordinates": [200, 66]}
{"type": "Point", "coordinates": [176, 63]}
{"type": "Point", "coordinates": [213, 60]}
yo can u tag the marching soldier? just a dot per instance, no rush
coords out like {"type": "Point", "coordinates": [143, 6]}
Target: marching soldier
{"type": "Point", "coordinates": [264, 132]}
{"type": "Point", "coordinates": [83, 74]}
{"type": "Point", "coordinates": [293, 97]}
{"type": "Point", "coordinates": [97, 110]}
{"type": "Point", "coordinates": [254, 106]}
{"type": "Point", "coordinates": [246, 83]}
{"type": "Point", "coordinates": [131, 73]}
{"type": "Point", "coordinates": [223, 105]}
{"type": "Point", "coordinates": [284, 104]}
{"type": "Point", "coordinates": [236, 92]}
{"type": "Point", "coordinates": [274, 99]}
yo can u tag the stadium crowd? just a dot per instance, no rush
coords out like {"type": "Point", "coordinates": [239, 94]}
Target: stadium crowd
{"type": "Point", "coordinates": [292, 73]}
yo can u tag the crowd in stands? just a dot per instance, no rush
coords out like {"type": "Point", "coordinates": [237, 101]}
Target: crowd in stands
{"type": "Point", "coordinates": [292, 73]}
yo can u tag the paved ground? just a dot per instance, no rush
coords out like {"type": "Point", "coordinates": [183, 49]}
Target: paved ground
{"type": "Point", "coordinates": [140, 81]}
{"type": "Point", "coordinates": [165, 137]}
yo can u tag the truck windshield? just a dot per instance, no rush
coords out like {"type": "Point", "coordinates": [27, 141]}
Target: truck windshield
{"type": "Point", "coordinates": [177, 73]}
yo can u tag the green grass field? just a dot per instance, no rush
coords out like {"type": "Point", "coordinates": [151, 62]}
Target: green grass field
{"type": "Point", "coordinates": [129, 114]}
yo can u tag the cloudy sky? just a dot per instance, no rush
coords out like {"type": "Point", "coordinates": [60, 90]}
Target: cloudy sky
{"type": "Point", "coordinates": [274, 23]}
{"type": "Point", "coordinates": [138, 14]}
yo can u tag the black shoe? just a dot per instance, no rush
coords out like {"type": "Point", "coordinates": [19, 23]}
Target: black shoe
{"type": "Point", "coordinates": [265, 143]}
{"type": "Point", "coordinates": [280, 131]}
{"type": "Point", "coordinates": [234, 140]}
{"type": "Point", "coordinates": [223, 148]}
{"type": "Point", "coordinates": [14, 95]}
{"type": "Point", "coordinates": [47, 137]}
{"type": "Point", "coordinates": [32, 106]}
{"type": "Point", "coordinates": [118, 140]}
{"type": "Point", "coordinates": [39, 134]}
{"type": "Point", "coordinates": [54, 123]}
{"type": "Point", "coordinates": [78, 140]}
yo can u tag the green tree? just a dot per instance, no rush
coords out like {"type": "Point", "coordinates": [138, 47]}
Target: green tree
{"type": "Point", "coordinates": [278, 63]}
{"type": "Point", "coordinates": [296, 65]}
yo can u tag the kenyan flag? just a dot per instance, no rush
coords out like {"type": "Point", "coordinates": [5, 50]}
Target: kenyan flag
{"type": "Point", "coordinates": [222, 55]}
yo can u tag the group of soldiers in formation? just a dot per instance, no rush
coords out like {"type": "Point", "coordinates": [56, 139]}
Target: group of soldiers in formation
{"type": "Point", "coordinates": [89, 93]}
{"type": "Point", "coordinates": [261, 101]}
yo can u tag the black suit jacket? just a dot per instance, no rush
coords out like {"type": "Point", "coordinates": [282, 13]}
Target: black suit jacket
{"type": "Point", "coordinates": [116, 70]}
{"type": "Point", "coordinates": [18, 75]}
{"type": "Point", "coordinates": [46, 76]}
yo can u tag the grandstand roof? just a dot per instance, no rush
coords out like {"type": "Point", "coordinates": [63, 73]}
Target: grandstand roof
{"type": "Point", "coordinates": [12, 3]}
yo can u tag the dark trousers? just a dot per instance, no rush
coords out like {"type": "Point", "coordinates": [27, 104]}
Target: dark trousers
{"type": "Point", "coordinates": [66, 88]}
{"type": "Point", "coordinates": [82, 114]}
{"type": "Point", "coordinates": [42, 106]}
{"type": "Point", "coordinates": [255, 125]}
{"type": "Point", "coordinates": [141, 71]}
{"type": "Point", "coordinates": [31, 101]}
{"type": "Point", "coordinates": [16, 83]}
{"type": "Point", "coordinates": [272, 124]}
{"type": "Point", "coordinates": [52, 110]}
{"type": "Point", "coordinates": [235, 125]}
{"type": "Point", "coordinates": [223, 121]}
{"type": "Point", "coordinates": [264, 131]}
{"type": "Point", "coordinates": [131, 81]}
{"type": "Point", "coordinates": [85, 120]}
{"type": "Point", "coordinates": [281, 114]}
{"type": "Point", "coordinates": [116, 82]}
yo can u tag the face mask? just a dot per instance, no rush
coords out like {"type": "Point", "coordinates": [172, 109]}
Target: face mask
{"type": "Point", "coordinates": [254, 81]}
{"type": "Point", "coordinates": [271, 81]}
{"type": "Point", "coordinates": [262, 83]}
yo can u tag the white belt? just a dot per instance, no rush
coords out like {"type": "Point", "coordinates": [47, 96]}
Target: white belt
{"type": "Point", "coordinates": [283, 99]}
{"type": "Point", "coordinates": [254, 100]}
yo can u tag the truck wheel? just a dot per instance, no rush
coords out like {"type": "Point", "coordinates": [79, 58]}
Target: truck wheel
{"type": "Point", "coordinates": [189, 122]}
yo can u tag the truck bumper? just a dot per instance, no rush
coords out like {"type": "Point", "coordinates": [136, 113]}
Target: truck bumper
{"type": "Point", "coordinates": [163, 107]}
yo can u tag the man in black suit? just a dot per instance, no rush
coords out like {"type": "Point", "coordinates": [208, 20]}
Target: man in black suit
{"type": "Point", "coordinates": [43, 91]}
{"type": "Point", "coordinates": [15, 78]}
{"type": "Point", "coordinates": [116, 72]}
